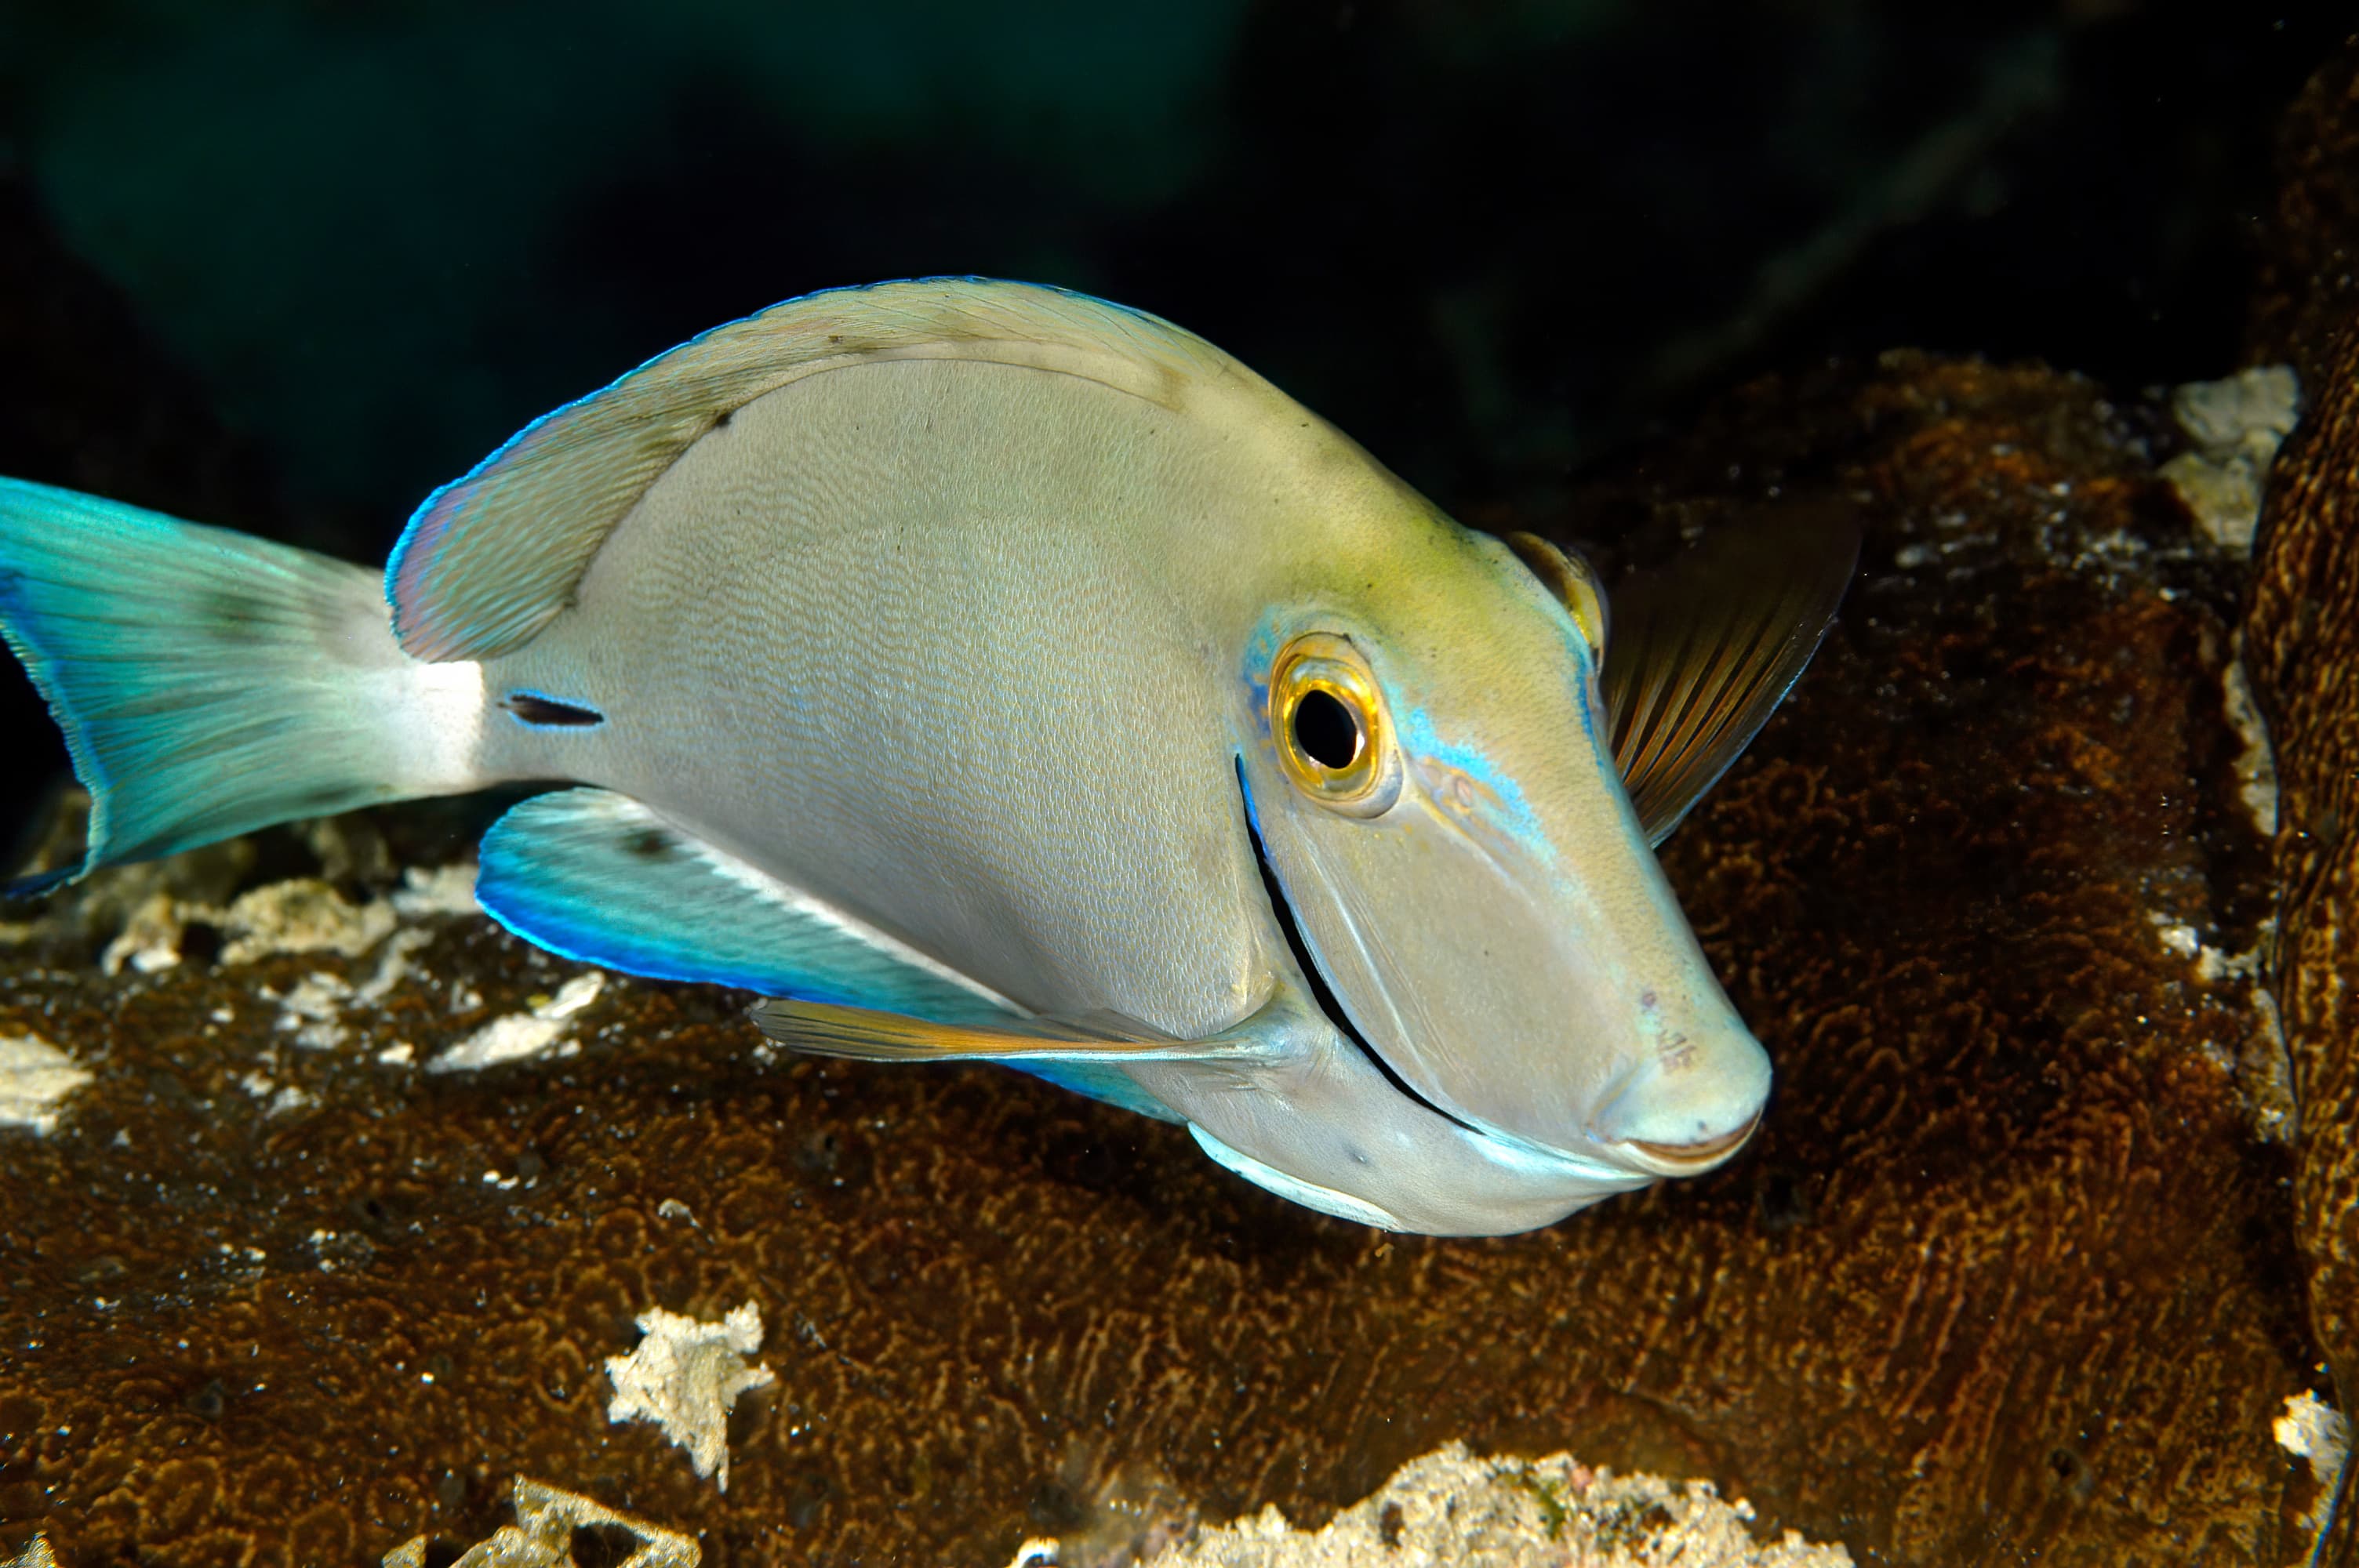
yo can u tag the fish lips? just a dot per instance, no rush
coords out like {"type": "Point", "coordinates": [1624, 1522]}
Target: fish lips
{"type": "Point", "coordinates": [1568, 1015]}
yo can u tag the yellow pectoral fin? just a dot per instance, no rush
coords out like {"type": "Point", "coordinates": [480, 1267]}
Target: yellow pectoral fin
{"type": "Point", "coordinates": [821, 1029]}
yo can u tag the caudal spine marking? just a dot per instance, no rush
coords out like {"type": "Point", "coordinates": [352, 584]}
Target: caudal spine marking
{"type": "Point", "coordinates": [550, 713]}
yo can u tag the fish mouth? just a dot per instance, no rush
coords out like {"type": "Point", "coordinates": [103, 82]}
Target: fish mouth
{"type": "Point", "coordinates": [1323, 992]}
{"type": "Point", "coordinates": [1699, 1155]}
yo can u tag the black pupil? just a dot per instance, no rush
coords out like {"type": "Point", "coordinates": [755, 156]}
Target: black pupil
{"type": "Point", "coordinates": [1326, 730]}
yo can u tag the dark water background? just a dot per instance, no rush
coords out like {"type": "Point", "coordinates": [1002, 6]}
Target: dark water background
{"type": "Point", "coordinates": [1491, 238]}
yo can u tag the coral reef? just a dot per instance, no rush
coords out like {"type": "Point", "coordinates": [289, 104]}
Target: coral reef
{"type": "Point", "coordinates": [1443, 1509]}
{"type": "Point", "coordinates": [35, 1075]}
{"type": "Point", "coordinates": [2236, 426]}
{"type": "Point", "coordinates": [2301, 636]}
{"type": "Point", "coordinates": [686, 1376]}
{"type": "Point", "coordinates": [2302, 644]}
{"type": "Point", "coordinates": [1942, 1312]}
{"type": "Point", "coordinates": [332, 1204]}
{"type": "Point", "coordinates": [550, 1533]}
{"type": "Point", "coordinates": [1450, 1508]}
{"type": "Point", "coordinates": [2308, 285]}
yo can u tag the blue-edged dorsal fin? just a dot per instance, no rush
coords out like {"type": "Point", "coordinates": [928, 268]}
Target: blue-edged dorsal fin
{"type": "Point", "coordinates": [491, 556]}
{"type": "Point", "coordinates": [1701, 651]}
{"type": "Point", "coordinates": [597, 876]}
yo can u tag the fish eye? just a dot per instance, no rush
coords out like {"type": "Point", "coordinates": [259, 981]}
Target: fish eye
{"type": "Point", "coordinates": [1333, 740]}
{"type": "Point", "coordinates": [1574, 582]}
{"type": "Point", "coordinates": [1326, 731]}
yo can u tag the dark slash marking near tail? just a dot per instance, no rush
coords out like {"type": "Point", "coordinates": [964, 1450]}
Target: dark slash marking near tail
{"type": "Point", "coordinates": [548, 711]}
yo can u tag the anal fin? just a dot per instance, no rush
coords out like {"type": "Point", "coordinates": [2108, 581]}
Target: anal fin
{"type": "Point", "coordinates": [597, 876]}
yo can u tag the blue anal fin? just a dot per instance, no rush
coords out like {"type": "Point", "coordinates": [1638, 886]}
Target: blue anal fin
{"type": "Point", "coordinates": [597, 876]}
{"type": "Point", "coordinates": [1110, 1084]}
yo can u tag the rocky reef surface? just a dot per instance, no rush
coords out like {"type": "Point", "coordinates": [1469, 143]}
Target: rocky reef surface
{"type": "Point", "coordinates": [1453, 1507]}
{"type": "Point", "coordinates": [2302, 635]}
{"type": "Point", "coordinates": [329, 1206]}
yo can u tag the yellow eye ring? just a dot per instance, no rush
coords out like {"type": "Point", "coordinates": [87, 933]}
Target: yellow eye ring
{"type": "Point", "coordinates": [1326, 716]}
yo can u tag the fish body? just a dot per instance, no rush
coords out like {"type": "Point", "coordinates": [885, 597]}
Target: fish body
{"type": "Point", "coordinates": [982, 671]}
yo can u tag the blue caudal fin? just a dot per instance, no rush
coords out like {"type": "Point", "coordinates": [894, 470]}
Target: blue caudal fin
{"type": "Point", "coordinates": [208, 682]}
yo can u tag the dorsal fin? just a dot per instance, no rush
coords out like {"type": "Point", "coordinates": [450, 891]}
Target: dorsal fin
{"type": "Point", "coordinates": [491, 556]}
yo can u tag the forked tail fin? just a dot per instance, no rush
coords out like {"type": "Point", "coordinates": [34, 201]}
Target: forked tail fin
{"type": "Point", "coordinates": [210, 683]}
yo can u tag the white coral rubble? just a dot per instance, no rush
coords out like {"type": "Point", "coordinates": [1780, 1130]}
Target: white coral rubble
{"type": "Point", "coordinates": [542, 1536]}
{"type": "Point", "coordinates": [1450, 1508]}
{"type": "Point", "coordinates": [2237, 426]}
{"type": "Point", "coordinates": [685, 1376]}
{"type": "Point", "coordinates": [35, 1078]}
{"type": "Point", "coordinates": [2318, 1432]}
{"type": "Point", "coordinates": [546, 1030]}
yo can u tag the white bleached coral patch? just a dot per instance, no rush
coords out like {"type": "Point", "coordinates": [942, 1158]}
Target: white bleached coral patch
{"type": "Point", "coordinates": [1451, 1509]}
{"type": "Point", "coordinates": [150, 938]}
{"type": "Point", "coordinates": [2262, 1069]}
{"type": "Point", "coordinates": [280, 1098]}
{"type": "Point", "coordinates": [546, 1030]}
{"type": "Point", "coordinates": [2256, 765]}
{"type": "Point", "coordinates": [2312, 1429]}
{"type": "Point", "coordinates": [685, 1376]}
{"type": "Point", "coordinates": [2317, 1431]}
{"type": "Point", "coordinates": [37, 1555]}
{"type": "Point", "coordinates": [2236, 426]}
{"type": "Point", "coordinates": [2213, 965]}
{"type": "Point", "coordinates": [542, 1536]}
{"type": "Point", "coordinates": [313, 1011]}
{"type": "Point", "coordinates": [301, 915]}
{"type": "Point", "coordinates": [446, 890]}
{"type": "Point", "coordinates": [35, 1078]}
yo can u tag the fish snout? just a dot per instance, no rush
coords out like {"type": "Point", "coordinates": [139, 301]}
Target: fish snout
{"type": "Point", "coordinates": [1686, 1157]}
{"type": "Point", "coordinates": [1689, 1110]}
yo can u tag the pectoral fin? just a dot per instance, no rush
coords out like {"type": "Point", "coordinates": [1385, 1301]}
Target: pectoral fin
{"type": "Point", "coordinates": [599, 877]}
{"type": "Point", "coordinates": [1701, 651]}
